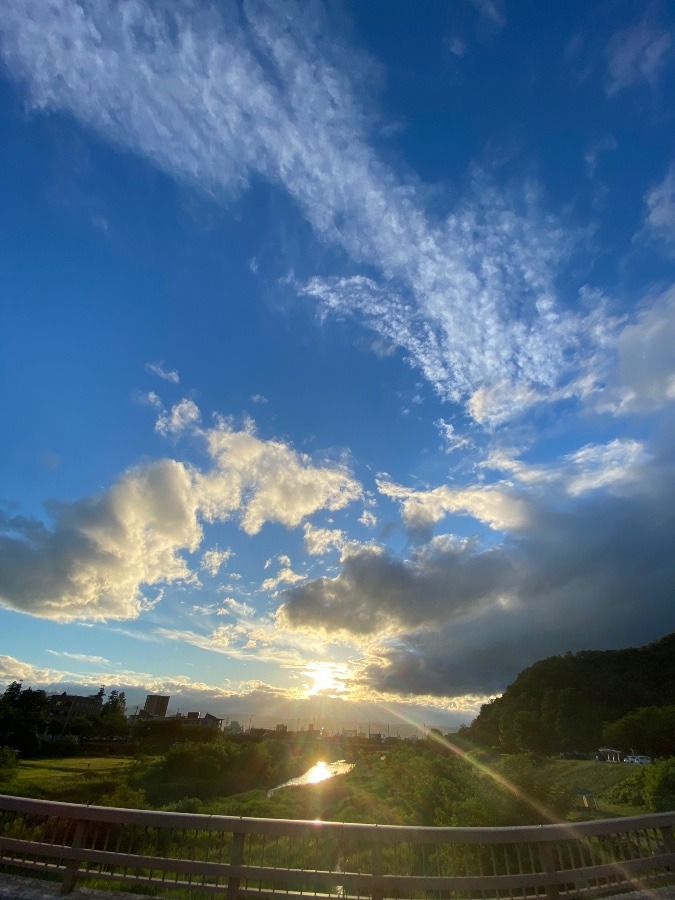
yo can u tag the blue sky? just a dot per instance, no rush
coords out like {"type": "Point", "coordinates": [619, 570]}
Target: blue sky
{"type": "Point", "coordinates": [337, 348]}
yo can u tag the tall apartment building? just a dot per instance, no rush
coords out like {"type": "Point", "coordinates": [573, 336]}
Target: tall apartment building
{"type": "Point", "coordinates": [156, 705]}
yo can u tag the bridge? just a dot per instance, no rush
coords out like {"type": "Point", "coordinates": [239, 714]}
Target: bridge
{"type": "Point", "coordinates": [267, 858]}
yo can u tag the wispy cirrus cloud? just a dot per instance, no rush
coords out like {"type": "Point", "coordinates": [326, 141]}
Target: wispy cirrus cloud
{"type": "Point", "coordinates": [641, 377]}
{"type": "Point", "coordinates": [214, 96]}
{"type": "Point", "coordinates": [660, 200]}
{"type": "Point", "coordinates": [81, 657]}
{"type": "Point", "coordinates": [160, 370]}
{"type": "Point", "coordinates": [636, 55]}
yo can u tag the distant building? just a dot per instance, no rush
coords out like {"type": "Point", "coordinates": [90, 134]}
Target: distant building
{"type": "Point", "coordinates": [233, 727]}
{"type": "Point", "coordinates": [156, 706]}
{"type": "Point", "coordinates": [66, 707]}
{"type": "Point", "coordinates": [281, 728]}
{"type": "Point", "coordinates": [206, 721]}
{"type": "Point", "coordinates": [211, 721]}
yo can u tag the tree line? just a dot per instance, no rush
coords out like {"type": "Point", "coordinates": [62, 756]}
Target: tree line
{"type": "Point", "coordinates": [583, 701]}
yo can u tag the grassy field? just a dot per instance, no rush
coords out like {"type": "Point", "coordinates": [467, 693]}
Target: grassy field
{"type": "Point", "coordinates": [76, 779]}
{"type": "Point", "coordinates": [597, 778]}
{"type": "Point", "coordinates": [88, 779]}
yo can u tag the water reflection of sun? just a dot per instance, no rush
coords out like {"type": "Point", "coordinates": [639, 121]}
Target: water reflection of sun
{"type": "Point", "coordinates": [326, 678]}
{"type": "Point", "coordinates": [318, 772]}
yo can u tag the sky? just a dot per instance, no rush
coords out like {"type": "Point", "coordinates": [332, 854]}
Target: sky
{"type": "Point", "coordinates": [337, 348]}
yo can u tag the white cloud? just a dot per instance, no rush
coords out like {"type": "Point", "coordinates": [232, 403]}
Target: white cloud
{"type": "Point", "coordinates": [266, 481]}
{"type": "Point", "coordinates": [12, 669]}
{"type": "Point", "coordinates": [636, 55]}
{"type": "Point", "coordinates": [211, 97]}
{"type": "Point", "coordinates": [320, 541]}
{"type": "Point", "coordinates": [368, 518]}
{"type": "Point", "coordinates": [259, 398]}
{"type": "Point", "coordinates": [213, 560]}
{"type": "Point", "coordinates": [495, 505]}
{"type": "Point", "coordinates": [233, 607]}
{"type": "Point", "coordinates": [613, 465]}
{"type": "Point", "coordinates": [183, 414]}
{"type": "Point", "coordinates": [661, 202]}
{"type": "Point", "coordinates": [284, 576]}
{"type": "Point", "coordinates": [103, 551]}
{"type": "Point", "coordinates": [81, 657]}
{"type": "Point", "coordinates": [642, 378]}
{"type": "Point", "coordinates": [457, 46]}
{"type": "Point", "coordinates": [157, 368]}
{"type": "Point", "coordinates": [596, 150]}
{"type": "Point", "coordinates": [491, 10]}
{"type": "Point", "coordinates": [606, 465]}
{"type": "Point", "coordinates": [471, 300]}
{"type": "Point", "coordinates": [452, 441]}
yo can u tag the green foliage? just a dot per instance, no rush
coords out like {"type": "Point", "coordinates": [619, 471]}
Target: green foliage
{"type": "Point", "coordinates": [124, 797]}
{"type": "Point", "coordinates": [215, 769]}
{"type": "Point", "coordinates": [186, 805]}
{"type": "Point", "coordinates": [659, 786]}
{"type": "Point", "coordinates": [630, 791]}
{"type": "Point", "coordinates": [651, 786]}
{"type": "Point", "coordinates": [112, 721]}
{"type": "Point", "coordinates": [561, 703]}
{"type": "Point", "coordinates": [649, 730]}
{"type": "Point", "coordinates": [24, 715]}
{"type": "Point", "coordinates": [8, 761]}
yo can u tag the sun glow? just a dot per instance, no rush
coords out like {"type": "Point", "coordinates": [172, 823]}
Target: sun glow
{"type": "Point", "coordinates": [326, 678]}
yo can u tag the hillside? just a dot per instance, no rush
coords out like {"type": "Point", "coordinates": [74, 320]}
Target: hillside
{"type": "Point", "coordinates": [563, 703]}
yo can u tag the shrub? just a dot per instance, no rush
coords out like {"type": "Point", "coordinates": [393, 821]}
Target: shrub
{"type": "Point", "coordinates": [630, 791]}
{"type": "Point", "coordinates": [8, 760]}
{"type": "Point", "coordinates": [659, 786]}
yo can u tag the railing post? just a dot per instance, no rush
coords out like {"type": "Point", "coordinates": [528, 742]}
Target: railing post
{"type": "Point", "coordinates": [72, 865]}
{"type": "Point", "coordinates": [236, 859]}
{"type": "Point", "coordinates": [546, 856]}
{"type": "Point", "coordinates": [668, 837]}
{"type": "Point", "coordinates": [377, 893]}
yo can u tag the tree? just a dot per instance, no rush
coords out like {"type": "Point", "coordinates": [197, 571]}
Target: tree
{"type": "Point", "coordinates": [112, 720]}
{"type": "Point", "coordinates": [24, 716]}
{"type": "Point", "coordinates": [650, 729]}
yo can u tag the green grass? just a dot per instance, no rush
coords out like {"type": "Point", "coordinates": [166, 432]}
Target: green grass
{"type": "Point", "coordinates": [88, 779]}
{"type": "Point", "coordinates": [75, 779]}
{"type": "Point", "coordinates": [596, 777]}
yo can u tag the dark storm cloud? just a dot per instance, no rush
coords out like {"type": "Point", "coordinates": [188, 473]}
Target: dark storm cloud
{"type": "Point", "coordinates": [596, 571]}
{"type": "Point", "coordinates": [441, 581]}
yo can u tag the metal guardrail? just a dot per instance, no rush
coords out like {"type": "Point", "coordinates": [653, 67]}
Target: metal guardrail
{"type": "Point", "coordinates": [243, 857]}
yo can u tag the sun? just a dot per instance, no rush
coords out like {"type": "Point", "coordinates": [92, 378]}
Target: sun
{"type": "Point", "coordinates": [326, 678]}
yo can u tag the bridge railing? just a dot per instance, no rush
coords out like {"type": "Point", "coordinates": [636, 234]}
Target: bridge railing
{"type": "Point", "coordinates": [242, 857]}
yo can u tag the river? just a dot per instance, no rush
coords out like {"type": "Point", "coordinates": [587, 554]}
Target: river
{"type": "Point", "coordinates": [322, 771]}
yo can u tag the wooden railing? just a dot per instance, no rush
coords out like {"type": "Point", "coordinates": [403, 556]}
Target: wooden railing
{"type": "Point", "coordinates": [268, 857]}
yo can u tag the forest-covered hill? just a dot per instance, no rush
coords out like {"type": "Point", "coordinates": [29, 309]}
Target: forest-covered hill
{"type": "Point", "coordinates": [567, 702]}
